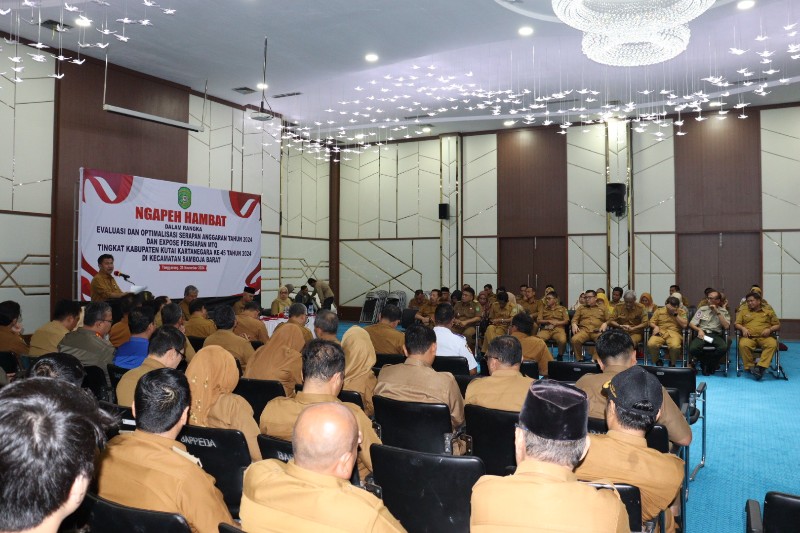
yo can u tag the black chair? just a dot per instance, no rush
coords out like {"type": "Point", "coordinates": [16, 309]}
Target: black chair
{"type": "Point", "coordinates": [426, 492]}
{"type": "Point", "coordinates": [26, 361]}
{"type": "Point", "coordinates": [689, 392]}
{"type": "Point", "coordinates": [95, 381]}
{"type": "Point", "coordinates": [115, 374]}
{"type": "Point", "coordinates": [256, 344]}
{"type": "Point", "coordinates": [631, 497]}
{"type": "Point", "coordinates": [456, 365]}
{"type": "Point", "coordinates": [407, 318]}
{"type": "Point", "coordinates": [464, 381]}
{"type": "Point", "coordinates": [530, 369]}
{"type": "Point", "coordinates": [225, 528]}
{"type": "Point", "coordinates": [382, 359]}
{"type": "Point", "coordinates": [710, 348]}
{"type": "Point", "coordinates": [424, 427]}
{"type": "Point", "coordinates": [352, 397]}
{"type": "Point", "coordinates": [657, 438]}
{"type": "Point", "coordinates": [123, 414]}
{"type": "Point", "coordinates": [570, 371]}
{"type": "Point", "coordinates": [9, 362]}
{"type": "Point", "coordinates": [492, 433]}
{"type": "Point", "coordinates": [258, 392]}
{"type": "Point", "coordinates": [104, 516]}
{"type": "Point", "coordinates": [196, 342]}
{"type": "Point", "coordinates": [275, 448]}
{"type": "Point", "coordinates": [781, 514]}
{"type": "Point", "coordinates": [224, 455]}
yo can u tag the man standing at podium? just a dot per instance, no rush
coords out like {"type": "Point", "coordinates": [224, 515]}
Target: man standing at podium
{"type": "Point", "coordinates": [104, 286]}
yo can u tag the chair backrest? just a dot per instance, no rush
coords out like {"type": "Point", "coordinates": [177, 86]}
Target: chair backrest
{"type": "Point", "coordinates": [530, 369]}
{"type": "Point", "coordinates": [413, 425]}
{"type": "Point", "coordinates": [196, 342]}
{"type": "Point", "coordinates": [226, 528]}
{"type": "Point", "coordinates": [456, 365]}
{"type": "Point", "coordinates": [632, 499]}
{"type": "Point", "coordinates": [274, 448]}
{"type": "Point", "coordinates": [426, 492]}
{"type": "Point", "coordinates": [258, 392]}
{"type": "Point", "coordinates": [407, 318]}
{"type": "Point", "coordinates": [682, 379]}
{"type": "Point", "coordinates": [352, 397]}
{"type": "Point", "coordinates": [256, 344]}
{"type": "Point", "coordinates": [26, 361]}
{"type": "Point", "coordinates": [115, 374]}
{"type": "Point", "coordinates": [95, 381]}
{"type": "Point", "coordinates": [103, 516]}
{"type": "Point", "coordinates": [9, 362]}
{"type": "Point", "coordinates": [224, 455]}
{"type": "Point", "coordinates": [492, 433]}
{"type": "Point", "coordinates": [675, 395]}
{"type": "Point", "coordinates": [382, 359]}
{"type": "Point", "coordinates": [657, 438]}
{"type": "Point", "coordinates": [464, 381]}
{"type": "Point", "coordinates": [569, 371]}
{"type": "Point", "coordinates": [123, 414]}
{"type": "Point", "coordinates": [781, 512]}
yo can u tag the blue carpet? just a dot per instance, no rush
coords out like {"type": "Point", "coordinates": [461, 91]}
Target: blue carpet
{"type": "Point", "coordinates": [752, 434]}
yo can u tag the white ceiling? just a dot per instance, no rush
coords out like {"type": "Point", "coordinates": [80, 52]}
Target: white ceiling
{"type": "Point", "coordinates": [436, 56]}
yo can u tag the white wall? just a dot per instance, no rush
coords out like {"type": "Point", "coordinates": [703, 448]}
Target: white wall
{"type": "Point", "coordinates": [479, 226]}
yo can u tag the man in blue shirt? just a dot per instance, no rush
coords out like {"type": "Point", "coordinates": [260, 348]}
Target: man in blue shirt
{"type": "Point", "coordinates": [132, 353]}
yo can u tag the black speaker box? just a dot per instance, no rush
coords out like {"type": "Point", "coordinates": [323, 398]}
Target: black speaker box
{"type": "Point", "coordinates": [615, 198]}
{"type": "Point", "coordinates": [444, 211]}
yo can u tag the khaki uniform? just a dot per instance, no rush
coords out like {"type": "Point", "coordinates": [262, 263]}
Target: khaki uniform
{"type": "Point", "coordinates": [280, 414]}
{"type": "Point", "coordinates": [671, 416]}
{"type": "Point", "coordinates": [414, 382]}
{"type": "Point", "coordinates": [532, 308]}
{"type": "Point", "coordinates": [323, 289]}
{"type": "Point", "coordinates": [630, 317]}
{"type": "Point", "coordinates": [103, 285]}
{"type": "Point", "coordinates": [238, 307]}
{"type": "Point", "coordinates": [11, 341]}
{"type": "Point", "coordinates": [185, 308]}
{"type": "Point", "coordinates": [756, 322]}
{"type": "Point", "coordinates": [307, 335]}
{"type": "Point", "coordinates": [45, 339]}
{"type": "Point", "coordinates": [151, 472]}
{"type": "Point", "coordinates": [188, 351]}
{"type": "Point", "coordinates": [414, 304]}
{"type": "Point", "coordinates": [552, 499]}
{"type": "Point", "coordinates": [670, 333]}
{"type": "Point", "coordinates": [550, 332]}
{"type": "Point", "coordinates": [127, 384]}
{"type": "Point", "coordinates": [588, 319]}
{"type": "Point", "coordinates": [231, 411]}
{"type": "Point", "coordinates": [90, 349]}
{"type": "Point", "coordinates": [624, 458]}
{"type": "Point", "coordinates": [505, 390]}
{"type": "Point", "coordinates": [464, 312]}
{"type": "Point", "coordinates": [252, 327]}
{"type": "Point", "coordinates": [197, 326]}
{"type": "Point", "coordinates": [497, 313]}
{"type": "Point", "coordinates": [285, 365]}
{"type": "Point", "coordinates": [534, 349]}
{"type": "Point", "coordinates": [286, 497]}
{"type": "Point", "coordinates": [240, 348]}
{"type": "Point", "coordinates": [279, 306]}
{"type": "Point", "coordinates": [120, 333]}
{"type": "Point", "coordinates": [427, 310]}
{"type": "Point", "coordinates": [385, 338]}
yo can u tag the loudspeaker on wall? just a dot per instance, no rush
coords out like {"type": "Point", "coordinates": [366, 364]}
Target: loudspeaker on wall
{"type": "Point", "coordinates": [444, 211]}
{"type": "Point", "coordinates": [615, 198]}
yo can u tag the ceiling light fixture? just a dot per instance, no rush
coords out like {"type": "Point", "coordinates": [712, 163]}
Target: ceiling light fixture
{"type": "Point", "coordinates": [509, 123]}
{"type": "Point", "coordinates": [264, 114]}
{"type": "Point", "coordinates": [262, 86]}
{"type": "Point", "coordinates": [661, 32]}
{"type": "Point", "coordinates": [83, 21]}
{"type": "Point", "coordinates": [746, 4]}
{"type": "Point", "coordinates": [525, 31]}
{"type": "Point", "coordinates": [371, 57]}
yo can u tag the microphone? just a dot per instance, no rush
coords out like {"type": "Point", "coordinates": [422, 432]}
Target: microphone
{"type": "Point", "coordinates": [119, 274]}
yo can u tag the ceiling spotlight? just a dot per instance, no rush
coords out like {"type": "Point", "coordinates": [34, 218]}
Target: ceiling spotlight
{"type": "Point", "coordinates": [262, 86]}
{"type": "Point", "coordinates": [426, 129]}
{"type": "Point", "coordinates": [525, 31]}
{"type": "Point", "coordinates": [745, 4]}
{"type": "Point", "coordinates": [371, 57]}
{"type": "Point", "coordinates": [83, 21]}
{"type": "Point", "coordinates": [509, 122]}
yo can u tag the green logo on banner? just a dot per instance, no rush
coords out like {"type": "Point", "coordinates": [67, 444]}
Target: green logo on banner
{"type": "Point", "coordinates": [184, 197]}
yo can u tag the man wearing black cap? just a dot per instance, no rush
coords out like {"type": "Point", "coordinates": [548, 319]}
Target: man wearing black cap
{"type": "Point", "coordinates": [616, 354]}
{"type": "Point", "coordinates": [247, 296]}
{"type": "Point", "coordinates": [622, 455]}
{"type": "Point", "coordinates": [544, 494]}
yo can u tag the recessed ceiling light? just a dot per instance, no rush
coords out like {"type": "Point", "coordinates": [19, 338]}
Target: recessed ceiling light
{"type": "Point", "coordinates": [525, 31]}
{"type": "Point", "coordinates": [509, 122]}
{"type": "Point", "coordinates": [426, 129]}
{"type": "Point", "coordinates": [83, 22]}
{"type": "Point", "coordinates": [371, 57]}
{"type": "Point", "coordinates": [746, 4]}
{"type": "Point", "coordinates": [262, 86]}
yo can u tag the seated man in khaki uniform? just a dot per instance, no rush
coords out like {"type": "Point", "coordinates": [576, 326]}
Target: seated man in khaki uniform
{"type": "Point", "coordinates": [248, 326]}
{"type": "Point", "coordinates": [120, 332]}
{"type": "Point", "coordinates": [587, 324]}
{"type": "Point", "coordinates": [165, 351]}
{"type": "Point", "coordinates": [500, 314]}
{"type": "Point", "coordinates": [326, 325]}
{"type": "Point", "coordinates": [313, 492]}
{"type": "Point", "coordinates": [468, 316]}
{"type": "Point", "coordinates": [428, 309]}
{"type": "Point", "coordinates": [298, 314]}
{"type": "Point", "coordinates": [171, 315]}
{"type": "Point", "coordinates": [550, 440]}
{"type": "Point", "coordinates": [552, 319]}
{"type": "Point", "coordinates": [198, 324]}
{"type": "Point", "coordinates": [533, 348]}
{"type": "Point", "coordinates": [384, 335]}
{"type": "Point", "coordinates": [418, 301]}
{"type": "Point", "coordinates": [616, 354]}
{"type": "Point", "coordinates": [622, 455]}
{"type": "Point", "coordinates": [531, 303]}
{"type": "Point", "coordinates": [88, 343]}
{"type": "Point", "coordinates": [247, 296]}
{"type": "Point", "coordinates": [151, 469]}
{"type": "Point", "coordinates": [674, 289]}
{"type": "Point", "coordinates": [10, 326]}
{"type": "Point", "coordinates": [240, 348]}
{"type": "Point", "coordinates": [505, 388]}
{"type": "Point", "coordinates": [667, 326]}
{"type": "Point", "coordinates": [757, 325]}
{"type": "Point", "coordinates": [323, 373]}
{"type": "Point", "coordinates": [190, 294]}
{"type": "Point", "coordinates": [416, 381]}
{"type": "Point", "coordinates": [65, 317]}
{"type": "Point", "coordinates": [629, 316]}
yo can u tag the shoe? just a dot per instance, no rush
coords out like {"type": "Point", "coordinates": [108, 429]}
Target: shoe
{"type": "Point", "coordinates": [671, 364]}
{"type": "Point", "coordinates": [659, 363]}
{"type": "Point", "coordinates": [757, 372]}
{"type": "Point", "coordinates": [706, 371]}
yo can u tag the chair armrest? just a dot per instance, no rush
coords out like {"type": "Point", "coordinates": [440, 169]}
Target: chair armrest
{"type": "Point", "coordinates": [459, 433]}
{"type": "Point", "coordinates": [753, 521]}
{"type": "Point", "coordinates": [374, 489]}
{"type": "Point", "coordinates": [378, 429]}
{"type": "Point", "coordinates": [701, 388]}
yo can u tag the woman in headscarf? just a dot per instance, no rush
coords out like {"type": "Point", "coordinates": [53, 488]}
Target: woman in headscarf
{"type": "Point", "coordinates": [646, 299]}
{"type": "Point", "coordinates": [359, 358]}
{"type": "Point", "coordinates": [212, 376]}
{"type": "Point", "coordinates": [280, 358]}
{"type": "Point", "coordinates": [515, 307]}
{"type": "Point", "coordinates": [602, 299]}
{"type": "Point", "coordinates": [483, 300]}
{"type": "Point", "coordinates": [281, 303]}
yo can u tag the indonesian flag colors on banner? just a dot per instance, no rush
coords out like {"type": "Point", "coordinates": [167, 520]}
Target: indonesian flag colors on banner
{"type": "Point", "coordinates": [167, 235]}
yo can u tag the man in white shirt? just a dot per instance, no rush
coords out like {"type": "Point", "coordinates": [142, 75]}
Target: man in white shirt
{"type": "Point", "coordinates": [449, 343]}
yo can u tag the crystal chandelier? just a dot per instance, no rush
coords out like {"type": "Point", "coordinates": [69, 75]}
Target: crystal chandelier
{"type": "Point", "coordinates": [631, 32]}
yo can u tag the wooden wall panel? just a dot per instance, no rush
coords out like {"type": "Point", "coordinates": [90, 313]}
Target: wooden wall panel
{"type": "Point", "coordinates": [87, 136]}
{"type": "Point", "coordinates": [515, 262]}
{"type": "Point", "coordinates": [537, 261]}
{"type": "Point", "coordinates": [718, 176]}
{"type": "Point", "coordinates": [531, 183]}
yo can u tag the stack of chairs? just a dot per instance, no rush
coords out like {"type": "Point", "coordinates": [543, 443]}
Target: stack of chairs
{"type": "Point", "coordinates": [369, 311]}
{"type": "Point", "coordinates": [397, 298]}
